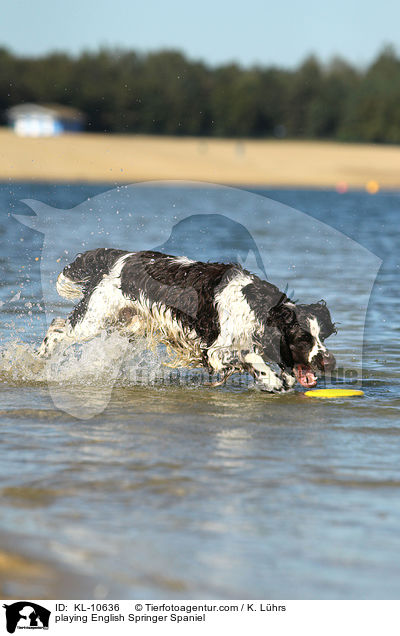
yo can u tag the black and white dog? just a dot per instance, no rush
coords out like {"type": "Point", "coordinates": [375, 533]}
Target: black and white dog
{"type": "Point", "coordinates": [213, 315]}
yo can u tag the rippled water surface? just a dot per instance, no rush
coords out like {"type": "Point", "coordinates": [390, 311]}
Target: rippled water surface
{"type": "Point", "coordinates": [173, 489]}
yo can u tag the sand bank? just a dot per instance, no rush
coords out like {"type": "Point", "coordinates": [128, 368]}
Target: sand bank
{"type": "Point", "coordinates": [130, 158]}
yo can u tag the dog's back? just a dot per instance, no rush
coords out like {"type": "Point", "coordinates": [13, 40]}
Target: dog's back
{"type": "Point", "coordinates": [185, 287]}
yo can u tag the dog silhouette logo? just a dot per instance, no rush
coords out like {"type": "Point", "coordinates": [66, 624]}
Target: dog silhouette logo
{"type": "Point", "coordinates": [26, 615]}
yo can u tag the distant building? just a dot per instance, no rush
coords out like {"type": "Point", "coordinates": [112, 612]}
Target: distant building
{"type": "Point", "coordinates": [46, 120]}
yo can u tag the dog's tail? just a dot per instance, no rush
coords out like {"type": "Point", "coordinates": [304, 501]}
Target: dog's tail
{"type": "Point", "coordinates": [86, 270]}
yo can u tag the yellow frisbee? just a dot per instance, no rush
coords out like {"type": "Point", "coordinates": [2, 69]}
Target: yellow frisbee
{"type": "Point", "coordinates": [333, 393]}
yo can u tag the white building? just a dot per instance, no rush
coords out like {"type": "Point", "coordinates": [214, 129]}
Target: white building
{"type": "Point", "coordinates": [35, 120]}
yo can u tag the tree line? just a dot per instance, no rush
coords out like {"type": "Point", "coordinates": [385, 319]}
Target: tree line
{"type": "Point", "coordinates": [166, 93]}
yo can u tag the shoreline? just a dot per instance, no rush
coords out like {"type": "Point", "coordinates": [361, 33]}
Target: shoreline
{"type": "Point", "coordinates": [123, 159]}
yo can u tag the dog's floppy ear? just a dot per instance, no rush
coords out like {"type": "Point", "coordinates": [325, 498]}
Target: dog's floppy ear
{"type": "Point", "coordinates": [272, 344]}
{"type": "Point", "coordinates": [322, 314]}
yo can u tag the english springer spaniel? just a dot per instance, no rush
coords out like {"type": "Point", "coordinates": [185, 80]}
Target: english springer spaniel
{"type": "Point", "coordinates": [213, 315]}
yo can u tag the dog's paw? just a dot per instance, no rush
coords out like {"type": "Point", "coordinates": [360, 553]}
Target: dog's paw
{"type": "Point", "coordinates": [288, 381]}
{"type": "Point", "coordinates": [272, 385]}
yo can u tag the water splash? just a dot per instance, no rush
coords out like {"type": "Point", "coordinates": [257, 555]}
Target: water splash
{"type": "Point", "coordinates": [100, 363]}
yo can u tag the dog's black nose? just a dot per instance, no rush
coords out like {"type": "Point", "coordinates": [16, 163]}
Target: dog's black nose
{"type": "Point", "coordinates": [325, 360]}
{"type": "Point", "coordinates": [328, 361]}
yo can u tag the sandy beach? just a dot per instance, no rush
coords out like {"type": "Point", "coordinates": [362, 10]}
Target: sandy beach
{"type": "Point", "coordinates": [129, 158]}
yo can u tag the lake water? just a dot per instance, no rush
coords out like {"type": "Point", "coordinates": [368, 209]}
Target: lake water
{"type": "Point", "coordinates": [119, 479]}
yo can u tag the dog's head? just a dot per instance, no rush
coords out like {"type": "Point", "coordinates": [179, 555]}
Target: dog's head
{"type": "Point", "coordinates": [301, 331]}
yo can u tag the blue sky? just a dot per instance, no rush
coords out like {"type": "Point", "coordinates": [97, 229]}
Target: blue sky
{"type": "Point", "coordinates": [217, 31]}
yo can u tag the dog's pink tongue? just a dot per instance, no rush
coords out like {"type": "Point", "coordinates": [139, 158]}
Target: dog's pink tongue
{"type": "Point", "coordinates": [305, 376]}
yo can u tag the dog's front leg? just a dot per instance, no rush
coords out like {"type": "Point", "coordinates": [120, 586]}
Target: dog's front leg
{"type": "Point", "coordinates": [267, 378]}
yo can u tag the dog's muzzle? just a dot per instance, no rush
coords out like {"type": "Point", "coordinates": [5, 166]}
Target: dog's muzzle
{"type": "Point", "coordinates": [325, 361]}
{"type": "Point", "coordinates": [306, 373]}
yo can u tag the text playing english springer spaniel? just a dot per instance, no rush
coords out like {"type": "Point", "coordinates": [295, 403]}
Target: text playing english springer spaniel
{"type": "Point", "coordinates": [213, 315]}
